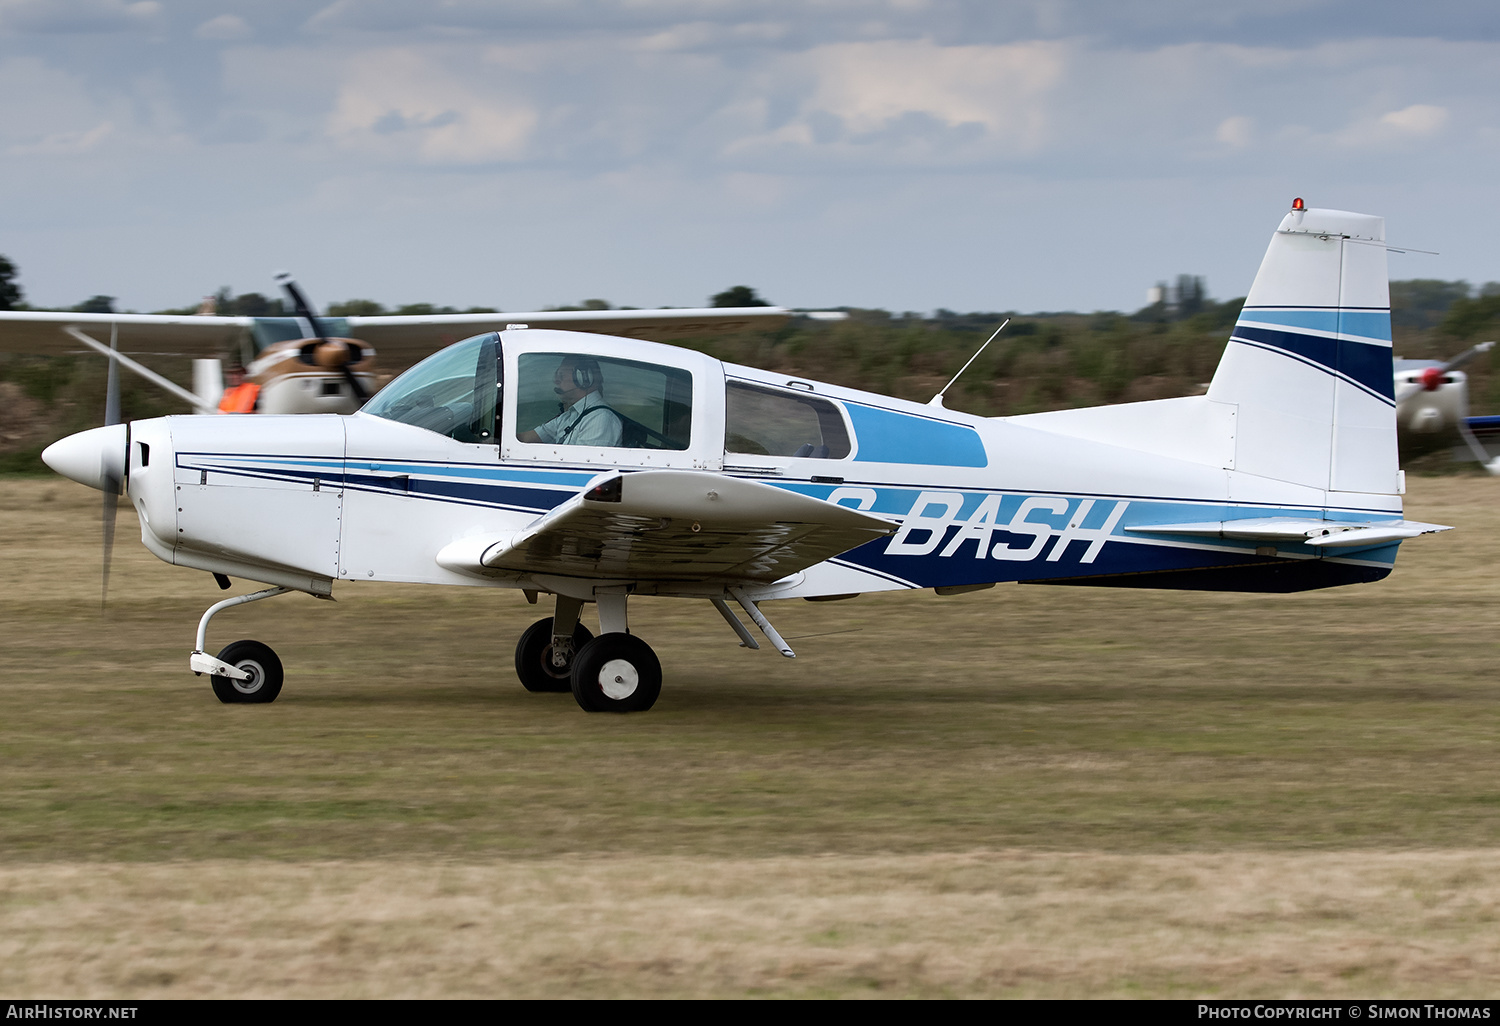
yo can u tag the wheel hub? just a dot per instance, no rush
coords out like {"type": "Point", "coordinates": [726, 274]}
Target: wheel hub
{"type": "Point", "coordinates": [251, 684]}
{"type": "Point", "coordinates": [618, 679]}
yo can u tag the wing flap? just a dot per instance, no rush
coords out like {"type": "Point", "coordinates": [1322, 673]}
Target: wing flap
{"type": "Point", "coordinates": [1299, 530]}
{"type": "Point", "coordinates": [674, 525]}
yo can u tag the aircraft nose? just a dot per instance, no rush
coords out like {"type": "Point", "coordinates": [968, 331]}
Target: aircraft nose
{"type": "Point", "coordinates": [95, 458]}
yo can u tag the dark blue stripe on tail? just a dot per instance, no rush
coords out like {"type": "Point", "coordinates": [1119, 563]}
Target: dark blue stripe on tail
{"type": "Point", "coordinates": [1368, 366]}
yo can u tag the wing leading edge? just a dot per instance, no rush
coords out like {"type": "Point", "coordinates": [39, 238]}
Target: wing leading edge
{"type": "Point", "coordinates": [400, 339]}
{"type": "Point", "coordinates": [673, 525]}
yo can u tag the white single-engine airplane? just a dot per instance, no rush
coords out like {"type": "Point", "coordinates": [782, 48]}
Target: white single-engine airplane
{"type": "Point", "coordinates": [595, 469]}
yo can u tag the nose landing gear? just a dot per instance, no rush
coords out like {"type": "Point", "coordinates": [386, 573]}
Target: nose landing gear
{"type": "Point", "coordinates": [244, 672]}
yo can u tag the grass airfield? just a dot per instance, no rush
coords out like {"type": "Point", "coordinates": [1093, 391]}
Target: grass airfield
{"type": "Point", "coordinates": [1022, 792]}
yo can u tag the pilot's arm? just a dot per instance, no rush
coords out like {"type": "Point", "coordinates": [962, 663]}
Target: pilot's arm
{"type": "Point", "coordinates": [589, 422]}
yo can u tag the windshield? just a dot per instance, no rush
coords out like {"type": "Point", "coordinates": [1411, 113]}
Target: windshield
{"type": "Point", "coordinates": [454, 392]}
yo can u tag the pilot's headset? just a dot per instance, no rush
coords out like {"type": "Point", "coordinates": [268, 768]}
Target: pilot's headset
{"type": "Point", "coordinates": [586, 374]}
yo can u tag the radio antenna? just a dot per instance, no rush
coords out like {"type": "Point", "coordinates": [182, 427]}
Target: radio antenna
{"type": "Point", "coordinates": [937, 400]}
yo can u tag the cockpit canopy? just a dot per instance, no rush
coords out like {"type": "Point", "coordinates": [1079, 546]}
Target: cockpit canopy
{"type": "Point", "coordinates": [560, 398]}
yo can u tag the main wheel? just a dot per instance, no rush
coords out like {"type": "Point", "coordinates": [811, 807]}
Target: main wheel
{"type": "Point", "coordinates": [534, 657]}
{"type": "Point", "coordinates": [616, 673]}
{"type": "Point", "coordinates": [264, 682]}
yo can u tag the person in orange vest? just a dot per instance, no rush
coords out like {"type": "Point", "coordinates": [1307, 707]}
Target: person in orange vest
{"type": "Point", "coordinates": [240, 396]}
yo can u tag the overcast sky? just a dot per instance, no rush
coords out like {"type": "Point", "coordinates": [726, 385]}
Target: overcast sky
{"type": "Point", "coordinates": [906, 154]}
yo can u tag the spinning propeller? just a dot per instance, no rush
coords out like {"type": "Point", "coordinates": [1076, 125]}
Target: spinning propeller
{"type": "Point", "coordinates": [325, 352]}
{"type": "Point", "coordinates": [1431, 378]}
{"type": "Point", "coordinates": [111, 474]}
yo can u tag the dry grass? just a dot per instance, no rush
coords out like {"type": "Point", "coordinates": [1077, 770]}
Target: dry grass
{"type": "Point", "coordinates": [1191, 794]}
{"type": "Point", "coordinates": [998, 925]}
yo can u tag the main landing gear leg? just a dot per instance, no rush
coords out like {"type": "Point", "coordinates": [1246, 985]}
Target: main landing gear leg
{"type": "Point", "coordinates": [547, 649]}
{"type": "Point", "coordinates": [245, 671]}
{"type": "Point", "coordinates": [616, 672]}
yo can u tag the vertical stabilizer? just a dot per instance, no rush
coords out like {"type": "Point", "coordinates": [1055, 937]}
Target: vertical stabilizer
{"type": "Point", "coordinates": [1309, 363]}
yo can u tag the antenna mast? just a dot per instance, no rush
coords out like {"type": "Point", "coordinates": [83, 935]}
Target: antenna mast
{"type": "Point", "coordinates": [937, 400]}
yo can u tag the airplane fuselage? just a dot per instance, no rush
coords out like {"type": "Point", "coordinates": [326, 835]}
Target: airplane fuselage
{"type": "Point", "coordinates": [308, 500]}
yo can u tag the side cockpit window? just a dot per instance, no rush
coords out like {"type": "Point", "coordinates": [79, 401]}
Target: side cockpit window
{"type": "Point", "coordinates": [766, 422]}
{"type": "Point", "coordinates": [454, 392]}
{"type": "Point", "coordinates": [576, 399]}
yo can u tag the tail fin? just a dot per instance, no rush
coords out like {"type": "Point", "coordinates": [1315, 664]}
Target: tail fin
{"type": "Point", "coordinates": [1309, 363]}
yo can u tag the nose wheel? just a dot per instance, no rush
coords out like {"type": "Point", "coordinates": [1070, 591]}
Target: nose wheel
{"type": "Point", "coordinates": [245, 672]}
{"type": "Point", "coordinates": [616, 673]}
{"type": "Point", "coordinates": [262, 669]}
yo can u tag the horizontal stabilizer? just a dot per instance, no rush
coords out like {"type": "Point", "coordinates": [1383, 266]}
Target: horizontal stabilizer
{"type": "Point", "coordinates": [1300, 531]}
{"type": "Point", "coordinates": [674, 525]}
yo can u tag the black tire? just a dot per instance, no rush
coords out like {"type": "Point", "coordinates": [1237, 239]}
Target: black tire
{"type": "Point", "coordinates": [265, 674]}
{"type": "Point", "coordinates": [534, 657]}
{"type": "Point", "coordinates": [616, 673]}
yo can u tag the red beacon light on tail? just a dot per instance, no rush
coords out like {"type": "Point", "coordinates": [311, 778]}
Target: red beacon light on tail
{"type": "Point", "coordinates": [1297, 204]}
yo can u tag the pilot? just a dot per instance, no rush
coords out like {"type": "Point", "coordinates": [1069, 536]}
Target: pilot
{"type": "Point", "coordinates": [585, 419]}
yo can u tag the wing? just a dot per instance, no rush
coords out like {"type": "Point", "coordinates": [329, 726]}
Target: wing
{"type": "Point", "coordinates": [44, 332]}
{"type": "Point", "coordinates": [1330, 534]}
{"type": "Point", "coordinates": [673, 525]}
{"type": "Point", "coordinates": [402, 340]}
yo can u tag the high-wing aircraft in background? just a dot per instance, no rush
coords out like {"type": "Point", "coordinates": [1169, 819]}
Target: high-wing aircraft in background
{"type": "Point", "coordinates": [1432, 410]}
{"type": "Point", "coordinates": [313, 364]}
{"type": "Point", "coordinates": [598, 469]}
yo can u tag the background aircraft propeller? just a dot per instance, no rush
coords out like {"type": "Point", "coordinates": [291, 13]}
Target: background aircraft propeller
{"type": "Point", "coordinates": [1432, 377]}
{"type": "Point", "coordinates": [328, 352]}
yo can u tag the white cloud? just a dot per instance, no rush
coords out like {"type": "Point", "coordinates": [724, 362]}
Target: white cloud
{"type": "Point", "coordinates": [871, 85]}
{"type": "Point", "coordinates": [1234, 131]}
{"type": "Point", "coordinates": [50, 111]}
{"type": "Point", "coordinates": [1395, 129]}
{"type": "Point", "coordinates": [64, 144]}
{"type": "Point", "coordinates": [898, 102]}
{"type": "Point", "coordinates": [697, 35]}
{"type": "Point", "coordinates": [224, 28]}
{"type": "Point", "coordinates": [400, 103]}
{"type": "Point", "coordinates": [1418, 119]}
